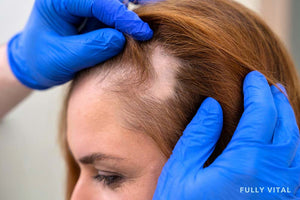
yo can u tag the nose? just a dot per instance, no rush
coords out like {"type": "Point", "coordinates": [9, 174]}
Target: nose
{"type": "Point", "coordinates": [82, 190]}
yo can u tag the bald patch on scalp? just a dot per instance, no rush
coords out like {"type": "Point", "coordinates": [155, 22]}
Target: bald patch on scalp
{"type": "Point", "coordinates": [165, 70]}
{"type": "Point", "coordinates": [124, 78]}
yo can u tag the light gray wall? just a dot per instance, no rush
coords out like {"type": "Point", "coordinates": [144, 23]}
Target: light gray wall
{"type": "Point", "coordinates": [31, 167]}
{"type": "Point", "coordinates": [295, 32]}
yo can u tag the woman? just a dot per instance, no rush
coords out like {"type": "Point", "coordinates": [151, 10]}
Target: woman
{"type": "Point", "coordinates": [122, 119]}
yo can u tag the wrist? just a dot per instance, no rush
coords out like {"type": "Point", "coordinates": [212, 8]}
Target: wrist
{"type": "Point", "coordinates": [11, 90]}
{"type": "Point", "coordinates": [6, 73]}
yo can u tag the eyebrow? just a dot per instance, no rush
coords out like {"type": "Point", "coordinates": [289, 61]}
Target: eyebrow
{"type": "Point", "coordinates": [92, 158]}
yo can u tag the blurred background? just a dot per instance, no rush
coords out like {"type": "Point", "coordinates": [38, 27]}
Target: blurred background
{"type": "Point", "coordinates": [31, 166]}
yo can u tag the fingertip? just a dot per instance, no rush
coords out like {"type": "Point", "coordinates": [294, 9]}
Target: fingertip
{"type": "Point", "coordinates": [279, 99]}
{"type": "Point", "coordinates": [140, 31]}
{"type": "Point", "coordinates": [257, 91]}
{"type": "Point", "coordinates": [286, 121]}
{"type": "Point", "coordinates": [209, 115]}
{"type": "Point", "coordinates": [274, 89]}
{"type": "Point", "coordinates": [116, 14]}
{"type": "Point", "coordinates": [211, 105]}
{"type": "Point", "coordinates": [282, 88]}
{"type": "Point", "coordinates": [276, 92]}
{"type": "Point", "coordinates": [135, 27]}
{"type": "Point", "coordinates": [130, 23]}
{"type": "Point", "coordinates": [254, 78]}
{"type": "Point", "coordinates": [144, 33]}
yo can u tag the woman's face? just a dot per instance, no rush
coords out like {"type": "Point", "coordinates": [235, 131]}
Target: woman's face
{"type": "Point", "coordinates": [115, 163]}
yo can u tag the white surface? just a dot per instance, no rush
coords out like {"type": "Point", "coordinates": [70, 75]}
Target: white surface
{"type": "Point", "coordinates": [31, 167]}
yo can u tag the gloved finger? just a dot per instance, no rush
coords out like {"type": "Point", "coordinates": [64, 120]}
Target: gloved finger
{"type": "Point", "coordinates": [287, 128]}
{"type": "Point", "coordinates": [112, 13]}
{"type": "Point", "coordinates": [199, 139]}
{"type": "Point", "coordinates": [93, 47]}
{"type": "Point", "coordinates": [286, 131]}
{"type": "Point", "coordinates": [259, 118]}
{"type": "Point", "coordinates": [91, 24]}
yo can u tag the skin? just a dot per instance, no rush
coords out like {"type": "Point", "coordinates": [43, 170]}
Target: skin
{"type": "Point", "coordinates": [95, 128]}
{"type": "Point", "coordinates": [11, 90]}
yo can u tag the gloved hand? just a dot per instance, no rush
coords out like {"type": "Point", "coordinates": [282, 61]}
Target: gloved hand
{"type": "Point", "coordinates": [263, 153]}
{"type": "Point", "coordinates": [50, 50]}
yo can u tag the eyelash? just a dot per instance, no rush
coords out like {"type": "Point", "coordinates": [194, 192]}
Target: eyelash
{"type": "Point", "coordinates": [109, 180]}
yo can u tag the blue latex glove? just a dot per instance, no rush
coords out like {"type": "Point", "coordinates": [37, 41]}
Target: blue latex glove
{"type": "Point", "coordinates": [264, 151]}
{"type": "Point", "coordinates": [50, 50]}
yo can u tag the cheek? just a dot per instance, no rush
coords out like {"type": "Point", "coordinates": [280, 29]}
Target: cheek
{"type": "Point", "coordinates": [143, 187]}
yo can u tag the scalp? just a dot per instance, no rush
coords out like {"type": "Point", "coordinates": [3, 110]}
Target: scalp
{"type": "Point", "coordinates": [165, 68]}
{"type": "Point", "coordinates": [154, 76]}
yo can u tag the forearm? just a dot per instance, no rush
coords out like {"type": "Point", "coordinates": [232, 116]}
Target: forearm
{"type": "Point", "coordinates": [11, 90]}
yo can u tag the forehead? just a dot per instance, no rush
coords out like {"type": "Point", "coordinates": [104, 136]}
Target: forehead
{"type": "Point", "coordinates": [94, 124]}
{"type": "Point", "coordinates": [95, 121]}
